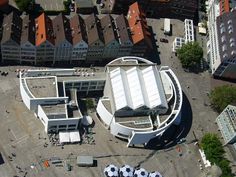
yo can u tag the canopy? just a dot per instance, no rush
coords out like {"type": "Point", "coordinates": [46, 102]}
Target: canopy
{"type": "Point", "coordinates": [111, 171]}
{"type": "Point", "coordinates": [69, 137]}
{"type": "Point", "coordinates": [140, 172]}
{"type": "Point", "coordinates": [126, 171]}
{"type": "Point", "coordinates": [155, 174]}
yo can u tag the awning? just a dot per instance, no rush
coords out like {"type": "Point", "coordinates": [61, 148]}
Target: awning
{"type": "Point", "coordinates": [69, 137]}
{"type": "Point", "coordinates": [64, 137]}
{"type": "Point", "coordinates": [74, 137]}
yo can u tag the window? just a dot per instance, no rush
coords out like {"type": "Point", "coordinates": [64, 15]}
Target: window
{"type": "Point", "coordinates": [62, 126]}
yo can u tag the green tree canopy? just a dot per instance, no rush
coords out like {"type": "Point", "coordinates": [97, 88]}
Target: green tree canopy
{"type": "Point", "coordinates": [222, 96]}
{"type": "Point", "coordinates": [212, 146]}
{"type": "Point", "coordinates": [190, 54]}
{"type": "Point", "coordinates": [214, 152]}
{"type": "Point", "coordinates": [25, 5]}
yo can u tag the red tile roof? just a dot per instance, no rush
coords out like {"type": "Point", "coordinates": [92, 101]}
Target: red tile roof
{"type": "Point", "coordinates": [138, 25]}
{"type": "Point", "coordinates": [224, 6]}
{"type": "Point", "coordinates": [44, 30]}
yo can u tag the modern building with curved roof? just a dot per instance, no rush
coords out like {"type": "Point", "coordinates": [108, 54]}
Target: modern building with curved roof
{"type": "Point", "coordinates": [140, 102]}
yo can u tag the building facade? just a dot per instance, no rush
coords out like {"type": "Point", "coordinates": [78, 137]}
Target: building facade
{"type": "Point", "coordinates": [227, 124]}
{"type": "Point", "coordinates": [28, 49]}
{"type": "Point", "coordinates": [161, 8]}
{"type": "Point", "coordinates": [10, 44]}
{"type": "Point", "coordinates": [44, 40]}
{"type": "Point", "coordinates": [95, 39]}
{"type": "Point", "coordinates": [124, 36]}
{"type": "Point", "coordinates": [79, 39]}
{"type": "Point", "coordinates": [52, 95]}
{"type": "Point", "coordinates": [220, 46]}
{"type": "Point", "coordinates": [62, 38]}
{"type": "Point", "coordinates": [110, 37]}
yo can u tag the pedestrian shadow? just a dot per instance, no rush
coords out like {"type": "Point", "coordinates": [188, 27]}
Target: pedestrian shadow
{"type": "Point", "coordinates": [175, 132]}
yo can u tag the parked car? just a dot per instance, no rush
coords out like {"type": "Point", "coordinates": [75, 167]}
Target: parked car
{"type": "Point", "coordinates": [164, 40]}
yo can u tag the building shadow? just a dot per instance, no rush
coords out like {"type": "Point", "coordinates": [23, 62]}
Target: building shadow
{"type": "Point", "coordinates": [174, 133]}
{"type": "Point", "coordinates": [154, 54]}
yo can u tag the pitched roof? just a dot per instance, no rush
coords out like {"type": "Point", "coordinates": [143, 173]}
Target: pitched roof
{"type": "Point", "coordinates": [28, 30]}
{"type": "Point", "coordinates": [12, 25]}
{"type": "Point", "coordinates": [107, 24]}
{"type": "Point", "coordinates": [123, 32]}
{"type": "Point", "coordinates": [44, 30]}
{"type": "Point", "coordinates": [61, 29]}
{"type": "Point", "coordinates": [93, 28]}
{"type": "Point", "coordinates": [138, 25]}
{"type": "Point", "coordinates": [224, 6]}
{"type": "Point", "coordinates": [3, 2]}
{"type": "Point", "coordinates": [78, 29]}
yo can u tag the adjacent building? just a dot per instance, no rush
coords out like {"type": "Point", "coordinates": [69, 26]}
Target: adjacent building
{"type": "Point", "coordinates": [220, 46]}
{"type": "Point", "coordinates": [28, 49]}
{"type": "Point", "coordinates": [62, 38]}
{"type": "Point", "coordinates": [79, 39]}
{"type": "Point", "coordinates": [52, 95]}
{"type": "Point", "coordinates": [95, 39]}
{"type": "Point", "coordinates": [44, 39]}
{"type": "Point", "coordinates": [124, 36]}
{"type": "Point", "coordinates": [226, 32]}
{"type": "Point", "coordinates": [140, 34]}
{"type": "Point", "coordinates": [159, 8]}
{"type": "Point", "coordinates": [110, 37]}
{"type": "Point", "coordinates": [10, 44]}
{"type": "Point", "coordinates": [226, 122]}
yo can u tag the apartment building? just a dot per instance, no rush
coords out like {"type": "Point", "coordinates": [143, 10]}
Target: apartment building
{"type": "Point", "coordinates": [28, 49]}
{"type": "Point", "coordinates": [79, 39]}
{"type": "Point", "coordinates": [220, 46]}
{"type": "Point", "coordinates": [45, 39]}
{"type": "Point", "coordinates": [95, 39]}
{"type": "Point", "coordinates": [62, 38]}
{"type": "Point", "coordinates": [212, 44]}
{"type": "Point", "coordinates": [155, 8]}
{"type": "Point", "coordinates": [10, 44]}
{"type": "Point", "coordinates": [226, 33]}
{"type": "Point", "coordinates": [124, 36]}
{"type": "Point", "coordinates": [140, 34]}
{"type": "Point", "coordinates": [227, 124]}
{"type": "Point", "coordinates": [110, 37]}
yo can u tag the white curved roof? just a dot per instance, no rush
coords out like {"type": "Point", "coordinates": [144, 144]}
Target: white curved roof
{"type": "Point", "coordinates": [135, 88]}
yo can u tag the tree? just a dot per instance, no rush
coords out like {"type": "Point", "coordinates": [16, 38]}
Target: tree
{"type": "Point", "coordinates": [222, 96]}
{"type": "Point", "coordinates": [190, 54]}
{"type": "Point", "coordinates": [212, 146]}
{"type": "Point", "coordinates": [214, 151]}
{"type": "Point", "coordinates": [89, 103]}
{"type": "Point", "coordinates": [25, 5]}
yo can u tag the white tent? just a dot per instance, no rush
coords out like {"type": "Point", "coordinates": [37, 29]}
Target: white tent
{"type": "Point", "coordinates": [64, 137]}
{"type": "Point", "coordinates": [74, 137]}
{"type": "Point", "coordinates": [69, 137]}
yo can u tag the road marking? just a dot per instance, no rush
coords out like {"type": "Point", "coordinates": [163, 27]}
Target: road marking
{"type": "Point", "coordinates": [13, 134]}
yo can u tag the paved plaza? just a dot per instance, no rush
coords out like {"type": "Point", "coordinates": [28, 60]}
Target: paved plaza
{"type": "Point", "coordinates": [22, 134]}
